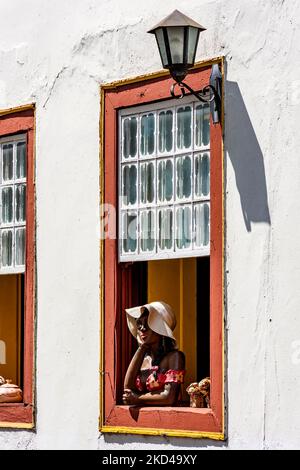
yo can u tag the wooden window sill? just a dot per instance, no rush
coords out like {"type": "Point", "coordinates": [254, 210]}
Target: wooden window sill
{"type": "Point", "coordinates": [16, 415]}
{"type": "Point", "coordinates": [20, 403]}
{"type": "Point", "coordinates": [164, 420]}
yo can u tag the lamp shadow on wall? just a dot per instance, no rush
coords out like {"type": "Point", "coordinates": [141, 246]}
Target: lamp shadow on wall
{"type": "Point", "coordinates": [246, 157]}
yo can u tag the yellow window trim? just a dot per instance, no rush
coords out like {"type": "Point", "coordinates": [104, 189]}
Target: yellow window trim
{"type": "Point", "coordinates": [163, 432]}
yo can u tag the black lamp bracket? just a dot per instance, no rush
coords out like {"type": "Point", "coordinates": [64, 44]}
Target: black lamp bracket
{"type": "Point", "coordinates": [209, 94]}
{"type": "Point", "coordinates": [206, 95]}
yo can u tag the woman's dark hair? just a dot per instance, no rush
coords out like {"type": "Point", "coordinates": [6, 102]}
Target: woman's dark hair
{"type": "Point", "coordinates": [166, 345]}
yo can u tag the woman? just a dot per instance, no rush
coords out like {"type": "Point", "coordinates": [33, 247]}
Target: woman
{"type": "Point", "coordinates": [156, 370]}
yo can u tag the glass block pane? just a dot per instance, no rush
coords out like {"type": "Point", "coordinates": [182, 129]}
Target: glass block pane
{"type": "Point", "coordinates": [183, 177]}
{"type": "Point", "coordinates": [129, 232]}
{"type": "Point", "coordinates": [147, 230]}
{"type": "Point", "coordinates": [6, 248]}
{"type": "Point", "coordinates": [205, 172]}
{"type": "Point", "coordinates": [197, 171]}
{"type": "Point", "coordinates": [20, 203]}
{"type": "Point", "coordinates": [21, 160]}
{"type": "Point", "coordinates": [147, 134]}
{"type": "Point", "coordinates": [165, 139]}
{"type": "Point", "coordinates": [20, 247]}
{"type": "Point", "coordinates": [129, 184]}
{"type": "Point", "coordinates": [202, 125]}
{"type": "Point", "coordinates": [165, 180]}
{"type": "Point", "coordinates": [183, 227]}
{"type": "Point", "coordinates": [7, 205]}
{"type": "Point", "coordinates": [147, 182]}
{"type": "Point", "coordinates": [165, 228]}
{"type": "Point", "coordinates": [202, 175]}
{"type": "Point", "coordinates": [184, 123]}
{"type": "Point", "coordinates": [201, 224]}
{"type": "Point", "coordinates": [7, 162]}
{"type": "Point", "coordinates": [130, 137]}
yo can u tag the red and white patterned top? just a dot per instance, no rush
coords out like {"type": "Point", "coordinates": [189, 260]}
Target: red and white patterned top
{"type": "Point", "coordinates": [157, 380]}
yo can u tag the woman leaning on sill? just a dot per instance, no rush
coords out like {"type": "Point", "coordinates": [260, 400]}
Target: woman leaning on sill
{"type": "Point", "coordinates": [156, 371]}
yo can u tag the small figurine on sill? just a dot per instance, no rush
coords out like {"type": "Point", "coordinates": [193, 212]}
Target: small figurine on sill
{"type": "Point", "coordinates": [199, 393]}
{"type": "Point", "coordinates": [9, 392]}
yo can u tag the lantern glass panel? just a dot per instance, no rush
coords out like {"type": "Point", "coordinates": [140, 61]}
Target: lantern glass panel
{"type": "Point", "coordinates": [193, 34]}
{"type": "Point", "coordinates": [161, 46]}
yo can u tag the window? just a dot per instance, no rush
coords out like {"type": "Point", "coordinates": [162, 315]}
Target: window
{"type": "Point", "coordinates": [162, 178]}
{"type": "Point", "coordinates": [13, 207]}
{"type": "Point", "coordinates": [17, 261]}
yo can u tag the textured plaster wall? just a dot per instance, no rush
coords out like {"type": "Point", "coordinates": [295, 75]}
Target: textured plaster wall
{"type": "Point", "coordinates": [56, 54]}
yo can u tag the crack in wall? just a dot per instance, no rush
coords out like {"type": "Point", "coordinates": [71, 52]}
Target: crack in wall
{"type": "Point", "coordinates": [53, 84]}
{"type": "Point", "coordinates": [89, 39]}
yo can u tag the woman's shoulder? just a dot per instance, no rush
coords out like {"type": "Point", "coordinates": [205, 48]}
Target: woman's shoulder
{"type": "Point", "coordinates": [174, 360]}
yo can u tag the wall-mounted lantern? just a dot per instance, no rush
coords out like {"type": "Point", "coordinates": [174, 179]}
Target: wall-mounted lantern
{"type": "Point", "coordinates": [177, 39]}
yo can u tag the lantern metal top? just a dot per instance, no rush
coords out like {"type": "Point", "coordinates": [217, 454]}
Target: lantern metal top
{"type": "Point", "coordinates": [176, 19]}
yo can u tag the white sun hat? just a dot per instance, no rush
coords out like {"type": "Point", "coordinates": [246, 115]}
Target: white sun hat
{"type": "Point", "coordinates": [161, 318]}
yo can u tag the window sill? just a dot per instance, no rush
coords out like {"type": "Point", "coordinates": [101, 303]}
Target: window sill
{"type": "Point", "coordinates": [164, 420]}
{"type": "Point", "coordinates": [16, 415]}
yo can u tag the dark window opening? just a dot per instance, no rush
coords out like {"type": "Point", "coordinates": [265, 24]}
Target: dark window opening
{"type": "Point", "coordinates": [134, 291]}
{"type": "Point", "coordinates": [12, 292]}
{"type": "Point", "coordinates": [203, 317]}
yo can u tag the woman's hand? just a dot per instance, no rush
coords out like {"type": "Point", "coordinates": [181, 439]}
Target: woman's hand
{"type": "Point", "coordinates": [142, 340]}
{"type": "Point", "coordinates": [143, 343]}
{"type": "Point", "coordinates": [130, 398]}
{"type": "Point", "coordinates": [134, 367]}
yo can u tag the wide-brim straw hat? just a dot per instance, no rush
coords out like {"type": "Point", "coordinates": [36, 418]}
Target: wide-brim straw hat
{"type": "Point", "coordinates": [161, 318]}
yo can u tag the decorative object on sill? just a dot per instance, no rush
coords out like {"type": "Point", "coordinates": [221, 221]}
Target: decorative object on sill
{"type": "Point", "coordinates": [199, 393]}
{"type": "Point", "coordinates": [2, 380]}
{"type": "Point", "coordinates": [9, 392]}
{"type": "Point", "coordinates": [177, 38]}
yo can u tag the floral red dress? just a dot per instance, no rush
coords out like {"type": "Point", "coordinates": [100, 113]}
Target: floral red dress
{"type": "Point", "coordinates": [157, 380]}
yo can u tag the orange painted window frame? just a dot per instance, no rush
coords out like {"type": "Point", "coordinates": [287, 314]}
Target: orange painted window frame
{"type": "Point", "coordinates": [173, 421]}
{"type": "Point", "coordinates": [21, 415]}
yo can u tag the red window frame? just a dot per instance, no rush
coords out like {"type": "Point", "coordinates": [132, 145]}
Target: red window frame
{"type": "Point", "coordinates": [21, 415]}
{"type": "Point", "coordinates": [173, 421]}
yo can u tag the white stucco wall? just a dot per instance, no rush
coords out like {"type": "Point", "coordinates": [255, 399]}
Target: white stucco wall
{"type": "Point", "coordinates": [56, 53]}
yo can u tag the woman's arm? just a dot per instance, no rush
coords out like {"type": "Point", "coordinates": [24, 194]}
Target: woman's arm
{"type": "Point", "coordinates": [166, 397]}
{"type": "Point", "coordinates": [134, 367]}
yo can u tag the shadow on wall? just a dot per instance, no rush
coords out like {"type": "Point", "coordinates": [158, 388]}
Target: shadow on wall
{"type": "Point", "coordinates": [142, 442]}
{"type": "Point", "coordinates": [246, 158]}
